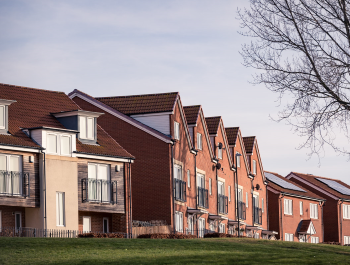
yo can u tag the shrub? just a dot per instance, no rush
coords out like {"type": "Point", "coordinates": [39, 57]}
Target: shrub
{"type": "Point", "coordinates": [167, 236]}
{"type": "Point", "coordinates": [210, 235]}
{"type": "Point", "coordinates": [101, 235]}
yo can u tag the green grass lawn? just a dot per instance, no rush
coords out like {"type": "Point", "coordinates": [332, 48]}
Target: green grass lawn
{"type": "Point", "coordinates": [166, 251]}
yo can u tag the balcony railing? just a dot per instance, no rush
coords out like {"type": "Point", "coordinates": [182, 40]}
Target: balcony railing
{"type": "Point", "coordinates": [202, 197]}
{"type": "Point", "coordinates": [257, 215]}
{"type": "Point", "coordinates": [223, 204]}
{"type": "Point", "coordinates": [13, 183]}
{"type": "Point", "coordinates": [241, 210]}
{"type": "Point", "coordinates": [99, 190]}
{"type": "Point", "coordinates": [180, 190]}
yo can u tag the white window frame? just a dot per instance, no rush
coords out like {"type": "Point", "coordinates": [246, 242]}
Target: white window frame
{"type": "Point", "coordinates": [240, 194]}
{"type": "Point", "coordinates": [346, 240]}
{"type": "Point", "coordinates": [59, 144]}
{"type": "Point", "coordinates": [98, 177]}
{"type": "Point", "coordinates": [313, 211]}
{"type": "Point", "coordinates": [222, 228]}
{"type": "Point", "coordinates": [103, 224]}
{"type": "Point", "coordinates": [210, 186]}
{"type": "Point", "coordinates": [60, 209]}
{"type": "Point", "coordinates": [220, 153]}
{"type": "Point", "coordinates": [262, 205]}
{"type": "Point", "coordinates": [201, 222]}
{"type": "Point", "coordinates": [315, 240]}
{"type": "Point", "coordinates": [238, 158]}
{"type": "Point", "coordinates": [176, 130]}
{"type": "Point", "coordinates": [188, 178]}
{"type": "Point", "coordinates": [254, 167]}
{"type": "Point", "coordinates": [177, 169]}
{"type": "Point", "coordinates": [89, 229]}
{"type": "Point", "coordinates": [346, 211]}
{"type": "Point", "coordinates": [4, 117]}
{"type": "Point", "coordinates": [199, 141]}
{"type": "Point", "coordinates": [229, 193]}
{"type": "Point", "coordinates": [86, 129]}
{"type": "Point", "coordinates": [8, 167]}
{"type": "Point", "coordinates": [288, 237]}
{"type": "Point", "coordinates": [179, 221]}
{"type": "Point", "coordinates": [246, 199]}
{"type": "Point", "coordinates": [301, 208]}
{"type": "Point", "coordinates": [288, 207]}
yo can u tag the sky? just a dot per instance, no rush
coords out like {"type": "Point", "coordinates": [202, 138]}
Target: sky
{"type": "Point", "coordinates": [127, 47]}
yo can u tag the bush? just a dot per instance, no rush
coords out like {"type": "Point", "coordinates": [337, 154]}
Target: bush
{"type": "Point", "coordinates": [101, 235]}
{"type": "Point", "coordinates": [167, 236]}
{"type": "Point", "coordinates": [210, 235]}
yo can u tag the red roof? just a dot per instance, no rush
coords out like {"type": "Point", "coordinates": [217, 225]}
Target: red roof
{"type": "Point", "coordinates": [33, 108]}
{"type": "Point", "coordinates": [312, 179]}
{"type": "Point", "coordinates": [192, 113]}
{"type": "Point", "coordinates": [307, 193]}
{"type": "Point", "coordinates": [249, 144]}
{"type": "Point", "coordinates": [213, 124]}
{"type": "Point", "coordinates": [142, 104]}
{"type": "Point", "coordinates": [232, 134]}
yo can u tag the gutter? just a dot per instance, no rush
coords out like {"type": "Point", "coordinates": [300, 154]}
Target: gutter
{"type": "Point", "coordinates": [281, 235]}
{"type": "Point", "coordinates": [172, 181]}
{"type": "Point", "coordinates": [322, 223]}
{"type": "Point", "coordinates": [341, 222]}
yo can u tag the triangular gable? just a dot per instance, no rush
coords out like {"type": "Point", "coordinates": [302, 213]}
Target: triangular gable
{"type": "Point", "coordinates": [207, 137]}
{"type": "Point", "coordinates": [251, 143]}
{"type": "Point", "coordinates": [183, 117]}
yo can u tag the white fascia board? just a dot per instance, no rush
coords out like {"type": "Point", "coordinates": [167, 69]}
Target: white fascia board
{"type": "Point", "coordinates": [7, 102]}
{"type": "Point", "coordinates": [312, 186]}
{"type": "Point", "coordinates": [184, 123]}
{"type": "Point", "coordinates": [152, 114]}
{"type": "Point", "coordinates": [22, 149]}
{"type": "Point", "coordinates": [123, 117]}
{"type": "Point", "coordinates": [77, 113]}
{"type": "Point", "coordinates": [106, 158]}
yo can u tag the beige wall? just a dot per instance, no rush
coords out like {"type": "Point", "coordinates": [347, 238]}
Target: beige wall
{"type": "Point", "coordinates": [62, 176]}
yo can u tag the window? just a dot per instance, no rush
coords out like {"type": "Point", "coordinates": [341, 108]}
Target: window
{"type": "Point", "coordinates": [18, 221]}
{"type": "Point", "coordinates": [98, 182]}
{"type": "Point", "coordinates": [254, 167]}
{"type": "Point", "coordinates": [177, 172]}
{"type": "Point", "coordinates": [178, 221]}
{"type": "Point", "coordinates": [315, 240]}
{"type": "Point", "coordinates": [246, 199]}
{"type": "Point", "coordinates": [238, 162]}
{"type": "Point", "coordinates": [222, 228]}
{"type": "Point", "coordinates": [176, 130]}
{"type": "Point", "coordinates": [262, 205]}
{"type": "Point", "coordinates": [2, 117]}
{"type": "Point", "coordinates": [229, 193]}
{"type": "Point", "coordinates": [199, 141]}
{"type": "Point", "coordinates": [86, 224]}
{"type": "Point", "coordinates": [210, 186]}
{"type": "Point", "coordinates": [346, 240]}
{"type": "Point", "coordinates": [313, 211]}
{"type": "Point", "coordinates": [346, 211]}
{"type": "Point", "coordinates": [105, 225]}
{"type": "Point", "coordinates": [188, 178]}
{"type": "Point", "coordinates": [288, 207]}
{"type": "Point", "coordinates": [60, 208]}
{"type": "Point", "coordinates": [288, 237]}
{"type": "Point", "coordinates": [219, 153]}
{"type": "Point", "coordinates": [58, 144]}
{"type": "Point", "coordinates": [52, 144]}
{"type": "Point", "coordinates": [65, 145]}
{"type": "Point", "coordinates": [201, 227]}
{"type": "Point", "coordinates": [86, 128]}
{"type": "Point", "coordinates": [190, 225]}
{"type": "Point", "coordinates": [211, 226]}
{"type": "Point", "coordinates": [11, 181]}
{"type": "Point", "coordinates": [301, 208]}
{"type": "Point", "coordinates": [240, 195]}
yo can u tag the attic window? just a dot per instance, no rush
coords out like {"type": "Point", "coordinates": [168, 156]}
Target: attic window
{"type": "Point", "coordinates": [86, 128]}
{"type": "Point", "coordinates": [4, 104]}
{"type": "Point", "coordinates": [2, 117]}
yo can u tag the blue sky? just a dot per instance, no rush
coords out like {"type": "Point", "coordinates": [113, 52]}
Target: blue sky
{"type": "Point", "coordinates": [107, 48]}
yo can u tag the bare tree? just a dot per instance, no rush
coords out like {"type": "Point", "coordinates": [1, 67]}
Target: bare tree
{"type": "Point", "coordinates": [301, 49]}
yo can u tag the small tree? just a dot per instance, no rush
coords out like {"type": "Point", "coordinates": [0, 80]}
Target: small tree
{"type": "Point", "coordinates": [302, 50]}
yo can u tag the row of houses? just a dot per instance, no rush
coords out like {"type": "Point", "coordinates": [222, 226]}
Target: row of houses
{"type": "Point", "coordinates": [78, 163]}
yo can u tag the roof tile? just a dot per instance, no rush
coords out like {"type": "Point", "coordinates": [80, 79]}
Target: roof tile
{"type": "Point", "coordinates": [232, 134]}
{"type": "Point", "coordinates": [191, 113]}
{"type": "Point", "coordinates": [213, 124]}
{"type": "Point", "coordinates": [249, 144]}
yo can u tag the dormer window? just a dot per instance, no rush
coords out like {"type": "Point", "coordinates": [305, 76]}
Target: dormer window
{"type": "Point", "coordinates": [4, 103]}
{"type": "Point", "coordinates": [86, 128]}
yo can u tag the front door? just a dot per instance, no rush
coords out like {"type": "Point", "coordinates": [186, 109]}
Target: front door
{"type": "Point", "coordinates": [86, 224]}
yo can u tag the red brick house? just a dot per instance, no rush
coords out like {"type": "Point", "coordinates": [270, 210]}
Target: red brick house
{"type": "Point", "coordinates": [294, 212]}
{"type": "Point", "coordinates": [337, 206]}
{"type": "Point", "coordinates": [59, 169]}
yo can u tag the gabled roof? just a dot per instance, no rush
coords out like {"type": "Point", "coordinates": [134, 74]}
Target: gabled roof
{"type": "Point", "coordinates": [33, 109]}
{"type": "Point", "coordinates": [313, 180]}
{"type": "Point", "coordinates": [232, 134]}
{"type": "Point", "coordinates": [249, 144]}
{"type": "Point", "coordinates": [192, 113]}
{"type": "Point", "coordinates": [213, 124]}
{"type": "Point", "coordinates": [277, 187]}
{"type": "Point", "coordinates": [142, 104]}
{"type": "Point", "coordinates": [306, 227]}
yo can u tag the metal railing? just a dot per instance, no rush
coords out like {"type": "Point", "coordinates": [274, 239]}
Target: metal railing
{"type": "Point", "coordinates": [99, 190]}
{"type": "Point", "coordinates": [257, 215]}
{"type": "Point", "coordinates": [202, 197]}
{"type": "Point", "coordinates": [13, 183]}
{"type": "Point", "coordinates": [242, 210]}
{"type": "Point", "coordinates": [223, 204]}
{"type": "Point", "coordinates": [55, 233]}
{"type": "Point", "coordinates": [180, 190]}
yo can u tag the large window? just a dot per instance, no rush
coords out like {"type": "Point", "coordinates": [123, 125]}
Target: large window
{"type": "Point", "coordinates": [11, 178]}
{"type": "Point", "coordinates": [346, 211]}
{"type": "Point", "coordinates": [346, 240]}
{"type": "Point", "coordinates": [313, 211]}
{"type": "Point", "coordinates": [176, 130]}
{"type": "Point", "coordinates": [60, 209]}
{"type": "Point", "coordinates": [315, 240]}
{"type": "Point", "coordinates": [199, 141]}
{"type": "Point", "coordinates": [59, 144]}
{"type": "Point", "coordinates": [288, 207]}
{"type": "Point", "coordinates": [288, 237]}
{"type": "Point", "coordinates": [86, 128]}
{"type": "Point", "coordinates": [99, 188]}
{"type": "Point", "coordinates": [179, 222]}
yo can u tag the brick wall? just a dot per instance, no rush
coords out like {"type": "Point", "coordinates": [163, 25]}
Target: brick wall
{"type": "Point", "coordinates": [8, 217]}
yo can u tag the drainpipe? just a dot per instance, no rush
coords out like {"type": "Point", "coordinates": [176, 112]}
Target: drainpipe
{"type": "Point", "coordinates": [322, 203]}
{"type": "Point", "coordinates": [253, 202]}
{"type": "Point", "coordinates": [196, 190]}
{"type": "Point", "coordinates": [172, 181]}
{"type": "Point", "coordinates": [341, 222]}
{"type": "Point", "coordinates": [130, 200]}
{"type": "Point", "coordinates": [44, 188]}
{"type": "Point", "coordinates": [267, 208]}
{"type": "Point", "coordinates": [237, 210]}
{"type": "Point", "coordinates": [281, 236]}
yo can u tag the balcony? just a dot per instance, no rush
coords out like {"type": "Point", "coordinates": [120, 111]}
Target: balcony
{"type": "Point", "coordinates": [180, 190]}
{"type": "Point", "coordinates": [13, 183]}
{"type": "Point", "coordinates": [99, 190]}
{"type": "Point", "coordinates": [223, 204]}
{"type": "Point", "coordinates": [241, 210]}
{"type": "Point", "coordinates": [257, 215]}
{"type": "Point", "coordinates": [202, 197]}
